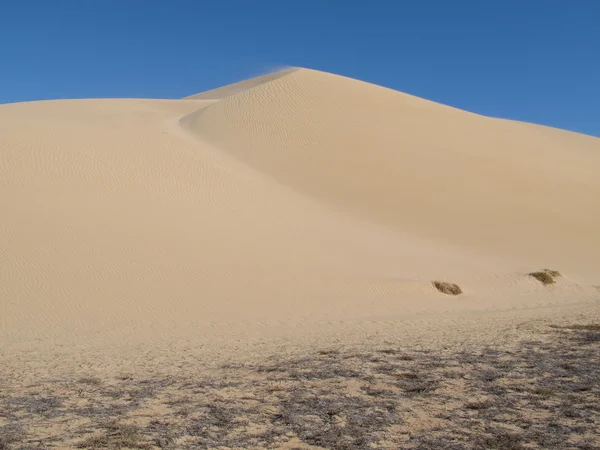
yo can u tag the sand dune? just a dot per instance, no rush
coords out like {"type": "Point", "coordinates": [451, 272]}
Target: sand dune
{"type": "Point", "coordinates": [296, 202]}
{"type": "Point", "coordinates": [242, 86]}
{"type": "Point", "coordinates": [499, 187]}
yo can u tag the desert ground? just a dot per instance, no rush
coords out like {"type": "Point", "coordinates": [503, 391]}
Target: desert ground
{"type": "Point", "coordinates": [296, 261]}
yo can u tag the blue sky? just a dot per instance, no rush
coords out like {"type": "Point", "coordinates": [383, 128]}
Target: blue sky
{"type": "Point", "coordinates": [531, 60]}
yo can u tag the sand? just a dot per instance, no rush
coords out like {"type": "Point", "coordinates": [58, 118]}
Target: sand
{"type": "Point", "coordinates": [279, 214]}
{"type": "Point", "coordinates": [299, 197]}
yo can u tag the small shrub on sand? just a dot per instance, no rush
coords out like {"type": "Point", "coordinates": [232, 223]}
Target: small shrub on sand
{"type": "Point", "coordinates": [553, 273]}
{"type": "Point", "coordinates": [447, 288]}
{"type": "Point", "coordinates": [545, 276]}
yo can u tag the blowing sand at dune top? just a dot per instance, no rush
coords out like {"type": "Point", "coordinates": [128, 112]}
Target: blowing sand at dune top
{"type": "Point", "coordinates": [294, 205]}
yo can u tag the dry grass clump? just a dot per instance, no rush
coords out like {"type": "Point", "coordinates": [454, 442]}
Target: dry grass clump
{"type": "Point", "coordinates": [447, 288]}
{"type": "Point", "coordinates": [554, 273]}
{"type": "Point", "coordinates": [10, 435]}
{"type": "Point", "coordinates": [546, 276]}
{"type": "Point", "coordinates": [117, 436]}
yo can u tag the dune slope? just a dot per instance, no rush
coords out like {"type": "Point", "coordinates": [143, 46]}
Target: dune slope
{"type": "Point", "coordinates": [504, 188]}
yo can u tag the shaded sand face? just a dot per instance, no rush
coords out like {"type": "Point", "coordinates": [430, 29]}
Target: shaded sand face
{"type": "Point", "coordinates": [293, 207]}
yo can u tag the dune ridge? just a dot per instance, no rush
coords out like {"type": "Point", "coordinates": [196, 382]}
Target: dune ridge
{"type": "Point", "coordinates": [298, 200]}
{"type": "Point", "coordinates": [235, 88]}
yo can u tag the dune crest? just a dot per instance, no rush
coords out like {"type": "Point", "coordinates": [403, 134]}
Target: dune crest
{"type": "Point", "coordinates": [241, 86]}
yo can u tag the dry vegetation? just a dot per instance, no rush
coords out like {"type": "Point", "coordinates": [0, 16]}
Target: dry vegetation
{"type": "Point", "coordinates": [447, 288]}
{"type": "Point", "coordinates": [542, 395]}
{"type": "Point", "coordinates": [546, 276]}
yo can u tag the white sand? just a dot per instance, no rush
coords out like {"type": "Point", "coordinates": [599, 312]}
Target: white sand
{"type": "Point", "coordinates": [290, 206]}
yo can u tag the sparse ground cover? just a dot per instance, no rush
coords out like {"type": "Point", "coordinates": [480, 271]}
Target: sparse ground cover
{"type": "Point", "coordinates": [543, 394]}
{"type": "Point", "coordinates": [447, 288]}
{"type": "Point", "coordinates": [546, 276]}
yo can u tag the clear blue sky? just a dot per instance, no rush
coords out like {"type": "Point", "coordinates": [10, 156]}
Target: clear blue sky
{"type": "Point", "coordinates": [531, 60]}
